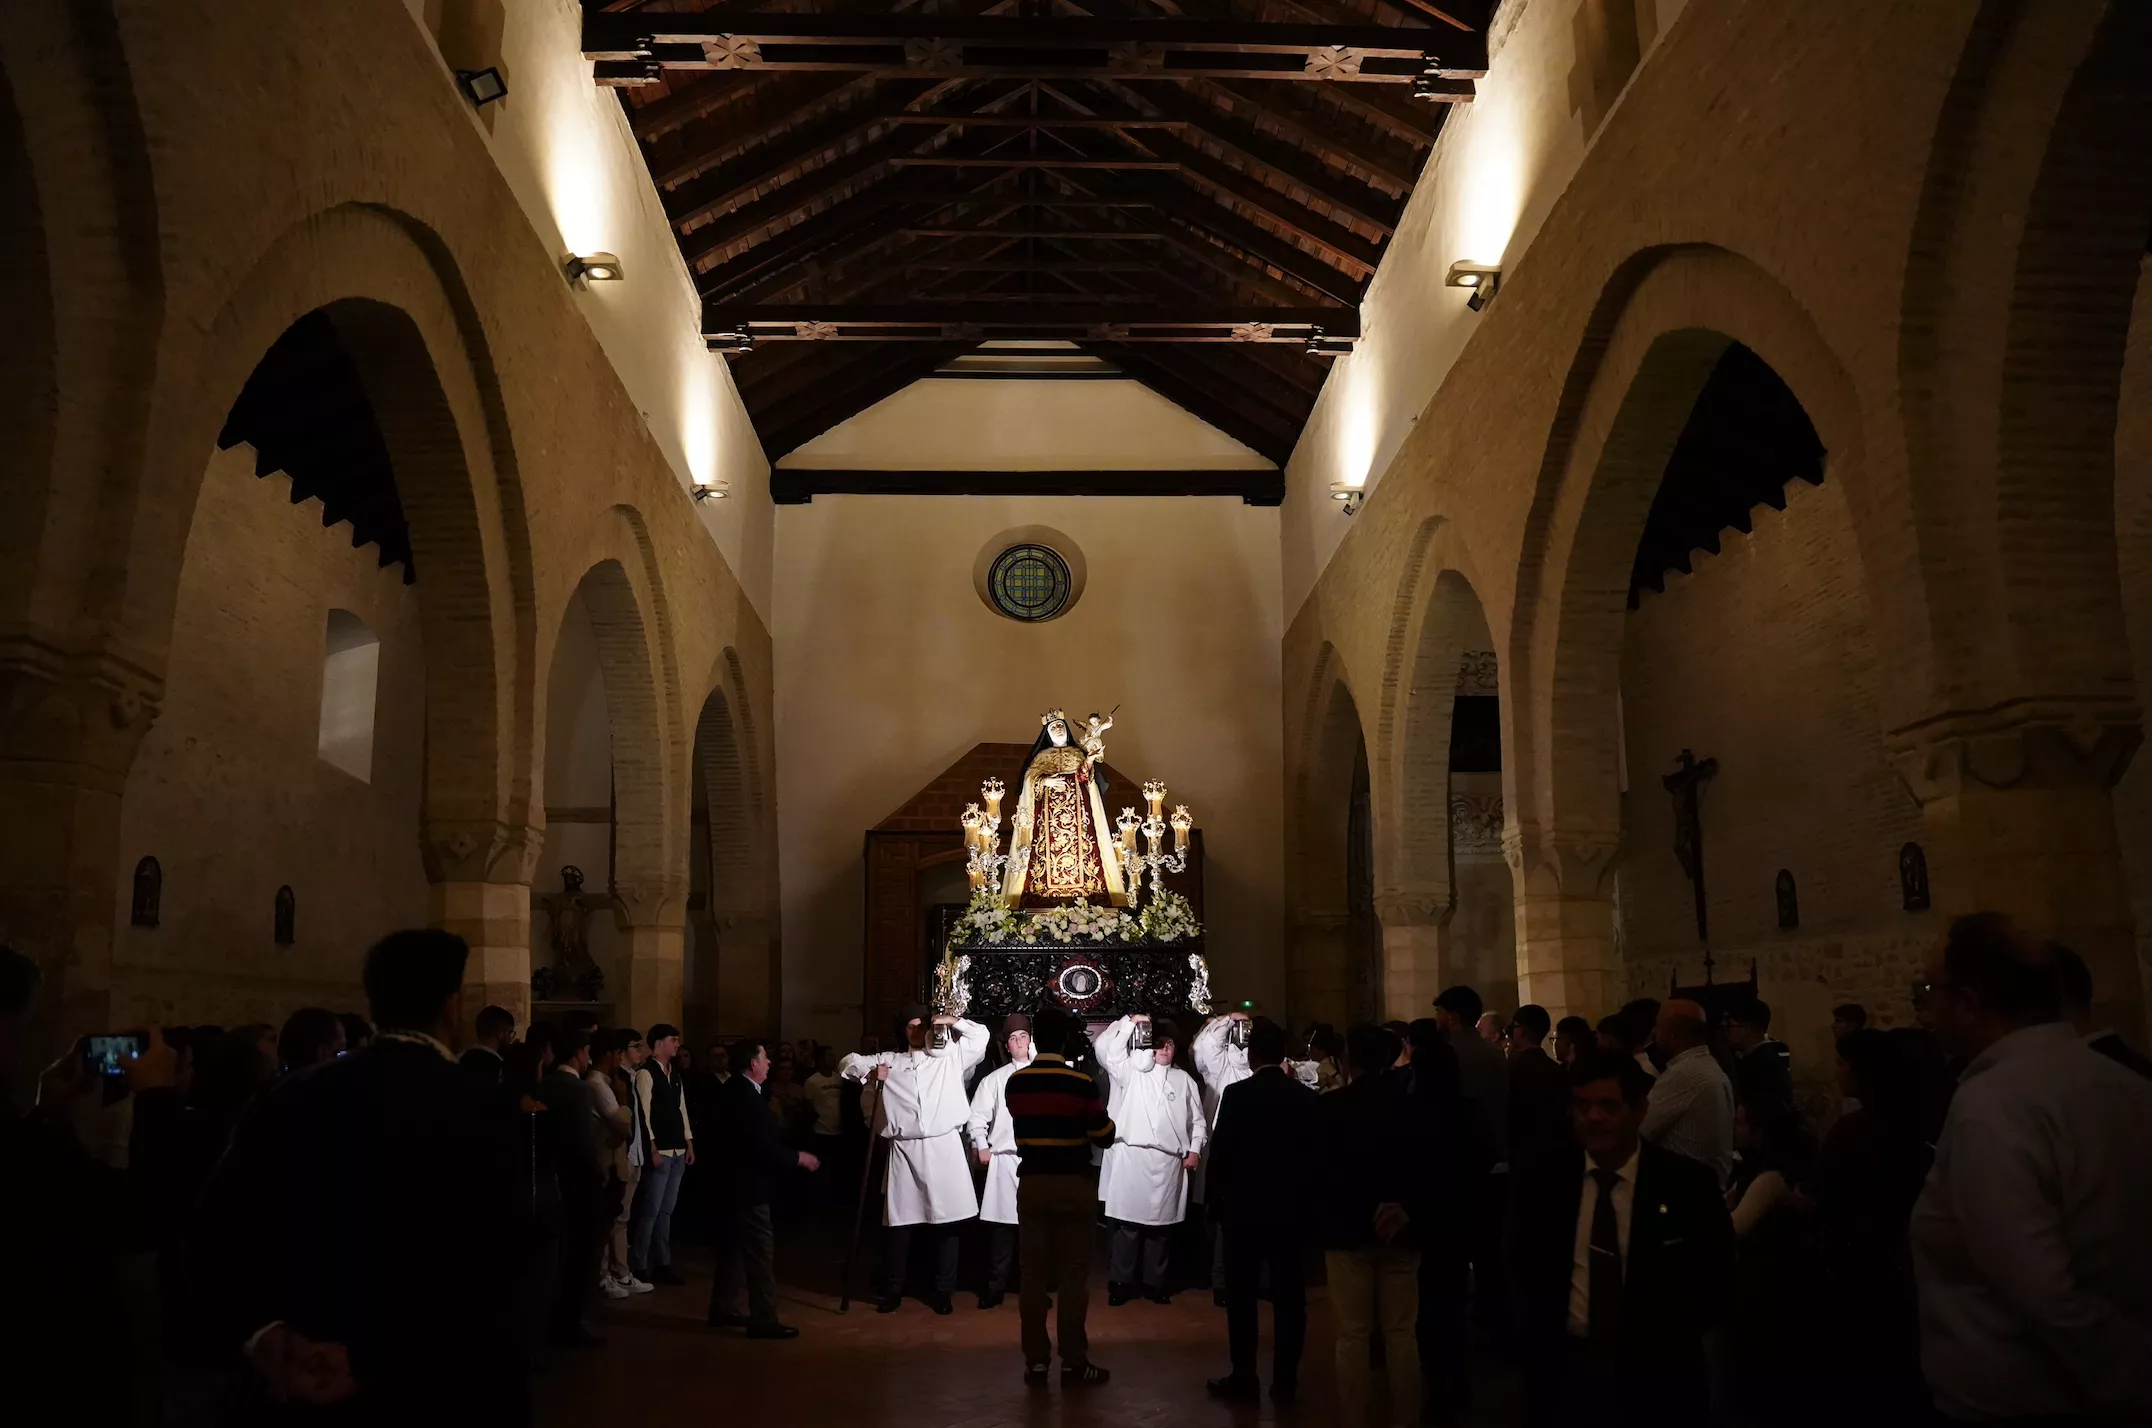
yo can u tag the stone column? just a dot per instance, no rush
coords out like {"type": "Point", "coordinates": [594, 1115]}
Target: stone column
{"type": "Point", "coordinates": [481, 874]}
{"type": "Point", "coordinates": [1416, 957]}
{"type": "Point", "coordinates": [70, 725]}
{"type": "Point", "coordinates": [1565, 922]}
{"type": "Point", "coordinates": [2020, 819]}
{"type": "Point", "coordinates": [653, 966]}
{"type": "Point", "coordinates": [1318, 967]}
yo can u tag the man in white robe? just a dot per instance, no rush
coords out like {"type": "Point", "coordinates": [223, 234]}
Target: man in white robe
{"type": "Point", "coordinates": [1159, 1132]}
{"type": "Point", "coordinates": [1220, 1063]}
{"type": "Point", "coordinates": [928, 1180]}
{"type": "Point", "coordinates": [993, 1141]}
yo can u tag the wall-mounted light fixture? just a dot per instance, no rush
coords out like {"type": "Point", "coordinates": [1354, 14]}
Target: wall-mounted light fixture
{"type": "Point", "coordinates": [1348, 495]}
{"type": "Point", "coordinates": [583, 268]}
{"type": "Point", "coordinates": [1322, 346]}
{"type": "Point", "coordinates": [713, 490]}
{"type": "Point", "coordinates": [481, 86]}
{"type": "Point", "coordinates": [1484, 280]}
{"type": "Point", "coordinates": [740, 339]}
{"type": "Point", "coordinates": [1427, 84]}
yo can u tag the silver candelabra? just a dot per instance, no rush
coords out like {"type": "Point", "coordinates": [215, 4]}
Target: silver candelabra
{"type": "Point", "coordinates": [1152, 827]}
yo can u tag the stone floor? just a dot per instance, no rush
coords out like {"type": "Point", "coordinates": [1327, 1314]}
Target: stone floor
{"type": "Point", "coordinates": [916, 1367]}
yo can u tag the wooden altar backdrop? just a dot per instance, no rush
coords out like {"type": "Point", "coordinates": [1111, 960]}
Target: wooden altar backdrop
{"type": "Point", "coordinates": [915, 857]}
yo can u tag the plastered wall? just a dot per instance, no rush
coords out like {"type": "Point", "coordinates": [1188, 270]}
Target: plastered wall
{"type": "Point", "coordinates": [889, 669]}
{"type": "Point", "coordinates": [229, 793]}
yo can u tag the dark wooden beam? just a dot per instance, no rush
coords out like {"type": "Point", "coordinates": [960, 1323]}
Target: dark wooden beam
{"type": "Point", "coordinates": [848, 392]}
{"type": "Point", "coordinates": [729, 183]}
{"type": "Point", "coordinates": [698, 244]}
{"type": "Point", "coordinates": [794, 485]}
{"type": "Point", "coordinates": [1400, 172]}
{"type": "Point", "coordinates": [1228, 226]}
{"type": "Point", "coordinates": [637, 37]}
{"type": "Point", "coordinates": [761, 116]}
{"type": "Point", "coordinates": [1208, 320]}
{"type": "Point", "coordinates": [1236, 135]}
{"type": "Point", "coordinates": [1248, 423]}
{"type": "Point", "coordinates": [1275, 204]}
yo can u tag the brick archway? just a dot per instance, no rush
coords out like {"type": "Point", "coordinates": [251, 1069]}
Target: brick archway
{"type": "Point", "coordinates": [1663, 323]}
{"type": "Point", "coordinates": [1322, 971]}
{"type": "Point", "coordinates": [735, 978]}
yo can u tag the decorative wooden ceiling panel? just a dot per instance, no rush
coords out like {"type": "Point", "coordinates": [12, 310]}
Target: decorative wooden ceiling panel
{"type": "Point", "coordinates": [1195, 190]}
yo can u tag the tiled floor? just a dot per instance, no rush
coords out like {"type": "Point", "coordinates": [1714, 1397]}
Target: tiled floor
{"type": "Point", "coordinates": [912, 1367]}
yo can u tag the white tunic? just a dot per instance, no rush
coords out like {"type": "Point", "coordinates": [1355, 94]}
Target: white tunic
{"type": "Point", "coordinates": [1220, 1064]}
{"type": "Point", "coordinates": [923, 1107]}
{"type": "Point", "coordinates": [1158, 1120]}
{"type": "Point", "coordinates": [994, 1128]}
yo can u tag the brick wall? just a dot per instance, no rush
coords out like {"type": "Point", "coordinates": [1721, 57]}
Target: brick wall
{"type": "Point", "coordinates": [1764, 659]}
{"type": "Point", "coordinates": [229, 794]}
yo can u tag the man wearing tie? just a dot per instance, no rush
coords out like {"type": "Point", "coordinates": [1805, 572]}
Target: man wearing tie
{"type": "Point", "coordinates": [1624, 1256]}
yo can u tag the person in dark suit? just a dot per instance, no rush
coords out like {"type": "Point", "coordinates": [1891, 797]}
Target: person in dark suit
{"type": "Point", "coordinates": [1444, 1204]}
{"type": "Point", "coordinates": [1624, 1257]}
{"type": "Point", "coordinates": [581, 1169]}
{"type": "Point", "coordinates": [350, 1196]}
{"type": "Point", "coordinates": [1259, 1190]}
{"type": "Point", "coordinates": [493, 1033]}
{"type": "Point", "coordinates": [754, 1157]}
{"type": "Point", "coordinates": [1538, 1092]}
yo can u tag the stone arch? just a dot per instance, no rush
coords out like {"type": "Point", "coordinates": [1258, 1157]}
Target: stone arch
{"type": "Point", "coordinates": [28, 379]}
{"type": "Point", "coordinates": [733, 898]}
{"type": "Point", "coordinates": [1440, 622]}
{"type": "Point", "coordinates": [1664, 320]}
{"type": "Point", "coordinates": [2019, 286]}
{"type": "Point", "coordinates": [1324, 976]}
{"type": "Point", "coordinates": [628, 665]}
{"type": "Point", "coordinates": [403, 312]}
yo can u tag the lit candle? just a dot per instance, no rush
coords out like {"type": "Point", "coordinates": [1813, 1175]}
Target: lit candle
{"type": "Point", "coordinates": [1181, 824]}
{"type": "Point", "coordinates": [1127, 823]}
{"type": "Point", "coordinates": [1154, 793]}
{"type": "Point", "coordinates": [972, 832]}
{"type": "Point", "coordinates": [1156, 836]}
{"type": "Point", "coordinates": [992, 790]}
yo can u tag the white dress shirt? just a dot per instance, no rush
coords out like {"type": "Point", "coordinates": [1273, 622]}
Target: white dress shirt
{"type": "Point", "coordinates": [2032, 1246]}
{"type": "Point", "coordinates": [1692, 1112]}
{"type": "Point", "coordinates": [1580, 1273]}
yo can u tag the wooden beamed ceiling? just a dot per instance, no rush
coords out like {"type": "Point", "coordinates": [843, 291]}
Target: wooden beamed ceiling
{"type": "Point", "coordinates": [1197, 191]}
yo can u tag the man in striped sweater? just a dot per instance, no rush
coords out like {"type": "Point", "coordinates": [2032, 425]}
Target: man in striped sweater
{"type": "Point", "coordinates": [1058, 1117]}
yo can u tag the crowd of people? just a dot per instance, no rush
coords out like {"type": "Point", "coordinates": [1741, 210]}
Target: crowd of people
{"type": "Point", "coordinates": [1642, 1219]}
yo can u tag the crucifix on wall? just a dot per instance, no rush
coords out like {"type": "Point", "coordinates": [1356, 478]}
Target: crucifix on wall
{"type": "Point", "coordinates": [1686, 784]}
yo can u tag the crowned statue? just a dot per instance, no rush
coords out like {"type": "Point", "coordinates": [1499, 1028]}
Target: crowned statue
{"type": "Point", "coordinates": [1061, 847]}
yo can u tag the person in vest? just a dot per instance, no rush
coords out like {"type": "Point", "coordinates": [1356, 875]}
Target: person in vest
{"type": "Point", "coordinates": [672, 1151]}
{"type": "Point", "coordinates": [928, 1180]}
{"type": "Point", "coordinates": [1160, 1131]}
{"type": "Point", "coordinates": [993, 1141]}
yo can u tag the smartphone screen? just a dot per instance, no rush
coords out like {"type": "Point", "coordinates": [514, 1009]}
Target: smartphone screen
{"type": "Point", "coordinates": [108, 1055]}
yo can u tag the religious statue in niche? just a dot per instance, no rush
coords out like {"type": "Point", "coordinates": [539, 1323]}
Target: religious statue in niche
{"type": "Point", "coordinates": [569, 912]}
{"type": "Point", "coordinates": [1913, 878]}
{"type": "Point", "coordinates": [148, 893]}
{"type": "Point", "coordinates": [1059, 846]}
{"type": "Point", "coordinates": [1789, 901]}
{"type": "Point", "coordinates": [287, 917]}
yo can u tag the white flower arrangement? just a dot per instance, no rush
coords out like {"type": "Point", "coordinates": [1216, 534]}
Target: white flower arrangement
{"type": "Point", "coordinates": [1167, 918]}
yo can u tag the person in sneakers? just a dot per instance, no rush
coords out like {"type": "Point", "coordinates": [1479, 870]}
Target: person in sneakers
{"type": "Point", "coordinates": [618, 1133]}
{"type": "Point", "coordinates": [993, 1141]}
{"type": "Point", "coordinates": [672, 1150]}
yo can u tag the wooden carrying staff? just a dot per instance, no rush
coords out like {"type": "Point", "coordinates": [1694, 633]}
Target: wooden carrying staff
{"type": "Point", "coordinates": [866, 1181]}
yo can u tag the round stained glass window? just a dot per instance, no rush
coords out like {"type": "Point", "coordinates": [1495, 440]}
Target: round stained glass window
{"type": "Point", "coordinates": [1029, 583]}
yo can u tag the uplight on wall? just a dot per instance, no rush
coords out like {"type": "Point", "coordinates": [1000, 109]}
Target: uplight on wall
{"type": "Point", "coordinates": [1483, 279]}
{"type": "Point", "coordinates": [1347, 495]}
{"type": "Point", "coordinates": [711, 491]}
{"type": "Point", "coordinates": [481, 86]}
{"type": "Point", "coordinates": [584, 268]}
{"type": "Point", "coordinates": [739, 340]}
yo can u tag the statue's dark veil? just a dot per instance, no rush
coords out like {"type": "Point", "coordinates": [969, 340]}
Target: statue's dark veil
{"type": "Point", "coordinates": [1045, 742]}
